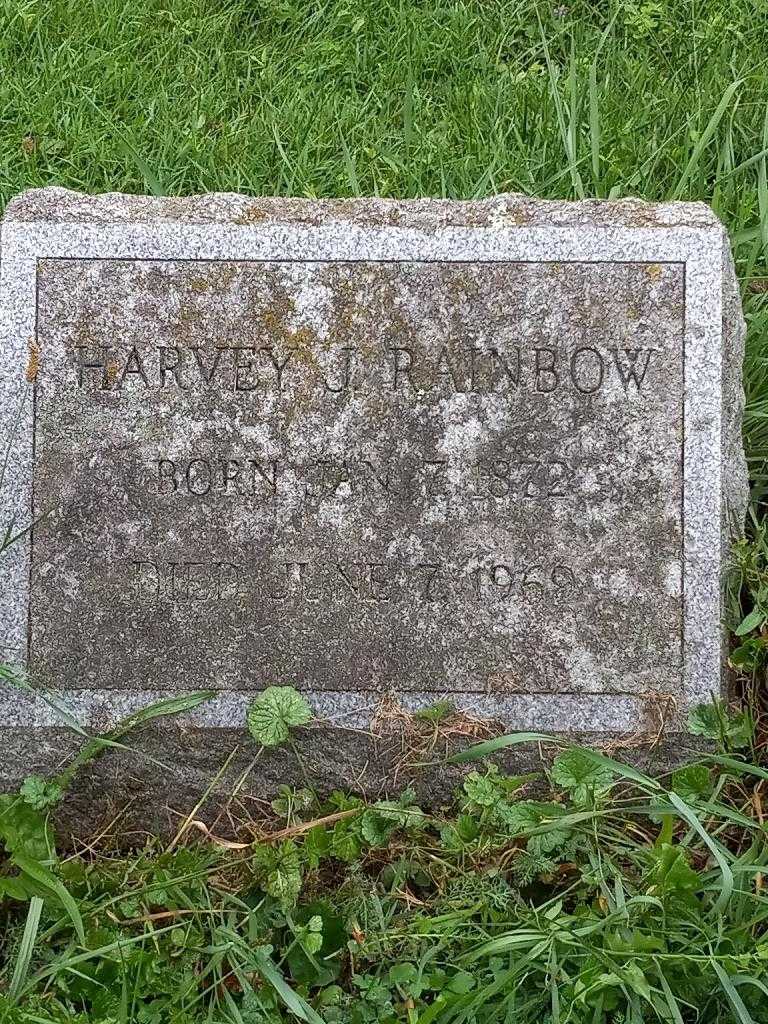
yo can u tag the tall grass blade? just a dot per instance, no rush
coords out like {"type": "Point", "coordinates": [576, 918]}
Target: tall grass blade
{"type": "Point", "coordinates": [153, 183]}
{"type": "Point", "coordinates": [762, 185]}
{"type": "Point", "coordinates": [742, 1013]}
{"type": "Point", "coordinates": [674, 1009]}
{"type": "Point", "coordinates": [48, 880]}
{"type": "Point", "coordinates": [594, 127]}
{"type": "Point", "coordinates": [26, 947]}
{"type": "Point", "coordinates": [298, 1007]}
{"type": "Point", "coordinates": [160, 709]}
{"type": "Point", "coordinates": [349, 164]}
{"type": "Point", "coordinates": [714, 848]}
{"type": "Point", "coordinates": [567, 130]}
{"type": "Point", "coordinates": [705, 137]}
{"type": "Point", "coordinates": [487, 747]}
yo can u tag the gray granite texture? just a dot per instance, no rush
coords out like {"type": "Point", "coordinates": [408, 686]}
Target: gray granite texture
{"type": "Point", "coordinates": [487, 451]}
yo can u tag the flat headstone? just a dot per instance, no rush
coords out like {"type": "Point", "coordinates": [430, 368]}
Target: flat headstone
{"type": "Point", "coordinates": [483, 451]}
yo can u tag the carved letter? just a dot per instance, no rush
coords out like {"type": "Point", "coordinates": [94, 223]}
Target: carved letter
{"type": "Point", "coordinates": [379, 584]}
{"type": "Point", "coordinates": [230, 473]}
{"type": "Point", "coordinates": [172, 368]}
{"type": "Point", "coordinates": [587, 389]}
{"type": "Point", "coordinates": [401, 369]}
{"type": "Point", "coordinates": [197, 476]}
{"type": "Point", "coordinates": [513, 375]}
{"type": "Point", "coordinates": [382, 481]}
{"type": "Point", "coordinates": [546, 359]}
{"type": "Point", "coordinates": [346, 373]}
{"type": "Point", "coordinates": [352, 585]}
{"type": "Point", "coordinates": [166, 473]}
{"type": "Point", "coordinates": [207, 375]}
{"type": "Point", "coordinates": [241, 385]}
{"type": "Point", "coordinates": [93, 365]}
{"type": "Point", "coordinates": [279, 367]}
{"type": "Point", "coordinates": [431, 587]}
{"type": "Point", "coordinates": [133, 366]}
{"type": "Point", "coordinates": [270, 480]}
{"type": "Point", "coordinates": [633, 371]}
{"type": "Point", "coordinates": [149, 589]}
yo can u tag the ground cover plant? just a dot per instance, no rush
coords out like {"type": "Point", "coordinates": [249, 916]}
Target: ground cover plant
{"type": "Point", "coordinates": [592, 894]}
{"type": "Point", "coordinates": [611, 896]}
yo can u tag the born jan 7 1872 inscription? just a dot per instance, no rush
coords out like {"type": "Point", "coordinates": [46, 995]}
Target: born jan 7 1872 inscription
{"type": "Point", "coordinates": [430, 447]}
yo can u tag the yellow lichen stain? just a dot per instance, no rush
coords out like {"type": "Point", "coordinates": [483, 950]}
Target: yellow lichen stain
{"type": "Point", "coordinates": [217, 279]}
{"type": "Point", "coordinates": [462, 283]}
{"type": "Point", "coordinates": [187, 315]}
{"type": "Point", "coordinates": [110, 373]}
{"type": "Point", "coordinates": [251, 215]}
{"type": "Point", "coordinates": [653, 270]}
{"type": "Point", "coordinates": [33, 361]}
{"type": "Point", "coordinates": [518, 216]}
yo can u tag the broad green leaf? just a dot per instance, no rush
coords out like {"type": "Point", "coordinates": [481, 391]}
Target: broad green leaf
{"type": "Point", "coordinates": [24, 829]}
{"type": "Point", "coordinates": [692, 781]}
{"type": "Point", "coordinates": [715, 722]}
{"type": "Point", "coordinates": [39, 793]}
{"type": "Point", "coordinates": [754, 620]}
{"type": "Point", "coordinates": [705, 720]}
{"type": "Point", "coordinates": [671, 873]}
{"type": "Point", "coordinates": [618, 769]}
{"type": "Point", "coordinates": [344, 842]}
{"type": "Point", "coordinates": [275, 712]}
{"type": "Point", "coordinates": [332, 933]}
{"type": "Point", "coordinates": [316, 845]}
{"type": "Point", "coordinates": [280, 870]}
{"type": "Point", "coordinates": [538, 821]}
{"type": "Point", "coordinates": [481, 789]}
{"type": "Point", "coordinates": [461, 983]}
{"type": "Point", "coordinates": [580, 774]}
{"type": "Point", "coordinates": [404, 974]}
{"type": "Point", "coordinates": [376, 828]}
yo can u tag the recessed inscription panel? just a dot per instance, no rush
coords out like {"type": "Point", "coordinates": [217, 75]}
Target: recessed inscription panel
{"type": "Point", "coordinates": [352, 476]}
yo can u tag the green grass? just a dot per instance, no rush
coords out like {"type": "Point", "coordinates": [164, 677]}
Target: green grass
{"type": "Point", "coordinates": [392, 98]}
{"type": "Point", "coordinates": [610, 898]}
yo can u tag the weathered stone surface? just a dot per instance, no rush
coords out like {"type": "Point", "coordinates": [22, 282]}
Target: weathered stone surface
{"type": "Point", "coordinates": [485, 450]}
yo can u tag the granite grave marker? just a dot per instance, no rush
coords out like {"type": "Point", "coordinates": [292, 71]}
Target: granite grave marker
{"type": "Point", "coordinates": [483, 450]}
